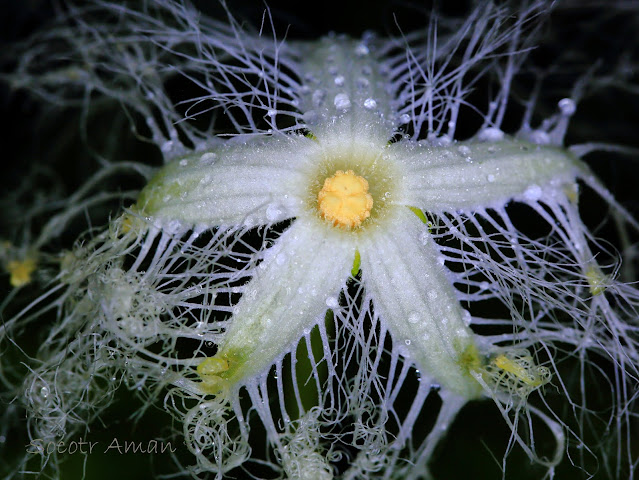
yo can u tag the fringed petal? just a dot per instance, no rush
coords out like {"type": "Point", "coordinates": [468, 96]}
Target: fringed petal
{"type": "Point", "coordinates": [301, 276]}
{"type": "Point", "coordinates": [416, 301]}
{"type": "Point", "coordinates": [252, 183]}
{"type": "Point", "coordinates": [464, 176]}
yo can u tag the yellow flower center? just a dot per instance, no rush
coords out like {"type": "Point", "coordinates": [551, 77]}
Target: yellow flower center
{"type": "Point", "coordinates": [344, 199]}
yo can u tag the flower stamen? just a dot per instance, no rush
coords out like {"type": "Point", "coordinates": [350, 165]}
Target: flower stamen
{"type": "Point", "coordinates": [209, 371]}
{"type": "Point", "coordinates": [344, 200]}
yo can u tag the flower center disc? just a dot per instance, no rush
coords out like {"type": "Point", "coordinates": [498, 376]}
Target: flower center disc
{"type": "Point", "coordinates": [344, 200]}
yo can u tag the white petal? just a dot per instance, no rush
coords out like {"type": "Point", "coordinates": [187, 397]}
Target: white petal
{"type": "Point", "coordinates": [344, 90]}
{"type": "Point", "coordinates": [253, 183]}
{"type": "Point", "coordinates": [417, 303]}
{"type": "Point", "coordinates": [303, 273]}
{"type": "Point", "coordinates": [467, 175]}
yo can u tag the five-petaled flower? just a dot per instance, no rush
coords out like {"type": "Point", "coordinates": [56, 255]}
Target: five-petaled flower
{"type": "Point", "coordinates": [351, 195]}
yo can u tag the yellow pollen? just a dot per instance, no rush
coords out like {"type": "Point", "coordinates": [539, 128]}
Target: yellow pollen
{"type": "Point", "coordinates": [20, 271]}
{"type": "Point", "coordinates": [344, 200]}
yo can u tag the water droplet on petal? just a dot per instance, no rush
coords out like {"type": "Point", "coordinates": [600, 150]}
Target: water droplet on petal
{"type": "Point", "coordinates": [207, 158]}
{"type": "Point", "coordinates": [370, 103]}
{"type": "Point", "coordinates": [463, 150]}
{"type": "Point", "coordinates": [361, 50]}
{"type": "Point", "coordinates": [331, 302]}
{"type": "Point", "coordinates": [491, 134]}
{"type": "Point", "coordinates": [249, 221]}
{"type": "Point", "coordinates": [342, 102]}
{"type": "Point", "coordinates": [280, 258]}
{"type": "Point", "coordinates": [273, 212]}
{"type": "Point", "coordinates": [533, 193]}
{"type": "Point", "coordinates": [539, 137]}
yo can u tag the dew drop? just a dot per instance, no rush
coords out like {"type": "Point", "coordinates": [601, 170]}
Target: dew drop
{"type": "Point", "coordinates": [407, 341]}
{"type": "Point", "coordinates": [361, 50]}
{"type": "Point", "coordinates": [533, 193]}
{"type": "Point", "coordinates": [342, 102]}
{"type": "Point", "coordinates": [404, 119]}
{"type": "Point", "coordinates": [567, 106]}
{"type": "Point", "coordinates": [208, 158]}
{"type": "Point", "coordinates": [273, 212]}
{"type": "Point", "coordinates": [331, 302]}
{"type": "Point", "coordinates": [491, 134]}
{"type": "Point", "coordinates": [339, 80]}
{"type": "Point", "coordinates": [370, 103]}
{"type": "Point", "coordinates": [463, 150]}
{"type": "Point", "coordinates": [271, 112]}
{"type": "Point", "coordinates": [490, 178]}
{"type": "Point", "coordinates": [539, 137]}
{"type": "Point", "coordinates": [184, 163]}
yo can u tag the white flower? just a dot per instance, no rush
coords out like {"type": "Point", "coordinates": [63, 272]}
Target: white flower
{"type": "Point", "coordinates": [373, 186]}
{"type": "Point", "coordinates": [325, 271]}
